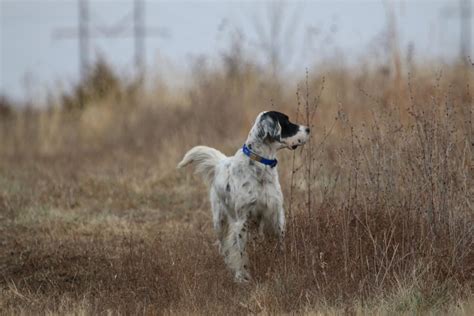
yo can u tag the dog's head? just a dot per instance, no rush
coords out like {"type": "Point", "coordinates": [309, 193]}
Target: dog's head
{"type": "Point", "coordinates": [275, 127]}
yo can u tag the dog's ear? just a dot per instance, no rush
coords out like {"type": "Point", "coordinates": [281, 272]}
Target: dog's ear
{"type": "Point", "coordinates": [270, 127]}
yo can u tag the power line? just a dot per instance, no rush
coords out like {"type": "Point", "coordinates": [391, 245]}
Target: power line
{"type": "Point", "coordinates": [86, 31]}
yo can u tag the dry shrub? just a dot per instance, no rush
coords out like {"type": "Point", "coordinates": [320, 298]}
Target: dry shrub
{"type": "Point", "coordinates": [95, 218]}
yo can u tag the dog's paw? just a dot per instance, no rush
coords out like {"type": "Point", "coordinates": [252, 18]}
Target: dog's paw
{"type": "Point", "coordinates": [219, 247]}
{"type": "Point", "coordinates": [281, 247]}
{"type": "Point", "coordinates": [242, 276]}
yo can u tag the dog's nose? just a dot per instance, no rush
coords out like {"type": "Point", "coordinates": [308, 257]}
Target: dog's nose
{"type": "Point", "coordinates": [307, 130]}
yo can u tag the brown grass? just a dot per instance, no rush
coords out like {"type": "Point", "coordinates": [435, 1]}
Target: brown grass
{"type": "Point", "coordinates": [94, 217]}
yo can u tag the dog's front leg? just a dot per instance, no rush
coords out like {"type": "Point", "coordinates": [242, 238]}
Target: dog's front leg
{"type": "Point", "coordinates": [280, 227]}
{"type": "Point", "coordinates": [236, 250]}
{"type": "Point", "coordinates": [274, 224]}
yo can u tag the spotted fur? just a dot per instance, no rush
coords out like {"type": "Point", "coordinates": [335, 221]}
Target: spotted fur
{"type": "Point", "coordinates": [243, 191]}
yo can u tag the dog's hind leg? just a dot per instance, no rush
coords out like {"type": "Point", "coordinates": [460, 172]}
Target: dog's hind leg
{"type": "Point", "coordinates": [219, 219]}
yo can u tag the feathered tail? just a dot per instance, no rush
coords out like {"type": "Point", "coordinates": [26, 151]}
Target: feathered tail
{"type": "Point", "coordinates": [205, 158]}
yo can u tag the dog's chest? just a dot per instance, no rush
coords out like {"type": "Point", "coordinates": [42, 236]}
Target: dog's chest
{"type": "Point", "coordinates": [262, 179]}
{"type": "Point", "coordinates": [248, 186]}
{"type": "Point", "coordinates": [261, 184]}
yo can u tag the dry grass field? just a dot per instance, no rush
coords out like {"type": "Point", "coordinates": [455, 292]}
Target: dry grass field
{"type": "Point", "coordinates": [94, 217]}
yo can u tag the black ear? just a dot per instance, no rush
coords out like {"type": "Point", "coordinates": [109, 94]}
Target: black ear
{"type": "Point", "coordinates": [270, 127]}
{"type": "Point", "coordinates": [286, 128]}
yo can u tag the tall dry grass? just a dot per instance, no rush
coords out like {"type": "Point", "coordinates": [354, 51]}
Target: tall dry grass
{"type": "Point", "coordinates": [94, 218]}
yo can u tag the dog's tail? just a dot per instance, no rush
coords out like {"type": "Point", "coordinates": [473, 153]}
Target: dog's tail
{"type": "Point", "coordinates": [205, 158]}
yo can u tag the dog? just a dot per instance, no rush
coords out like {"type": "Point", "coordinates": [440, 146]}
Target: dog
{"type": "Point", "coordinates": [244, 189]}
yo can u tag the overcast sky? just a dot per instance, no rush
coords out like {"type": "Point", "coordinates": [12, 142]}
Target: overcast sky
{"type": "Point", "coordinates": [33, 61]}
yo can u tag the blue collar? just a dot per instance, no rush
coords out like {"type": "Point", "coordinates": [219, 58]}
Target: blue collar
{"type": "Point", "coordinates": [269, 162]}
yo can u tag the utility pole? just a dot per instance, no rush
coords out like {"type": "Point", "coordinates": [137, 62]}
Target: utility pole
{"type": "Point", "coordinates": [83, 27]}
{"type": "Point", "coordinates": [466, 29]}
{"type": "Point", "coordinates": [464, 14]}
{"type": "Point", "coordinates": [139, 36]}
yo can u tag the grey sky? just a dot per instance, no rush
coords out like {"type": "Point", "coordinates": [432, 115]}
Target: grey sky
{"type": "Point", "coordinates": [32, 61]}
